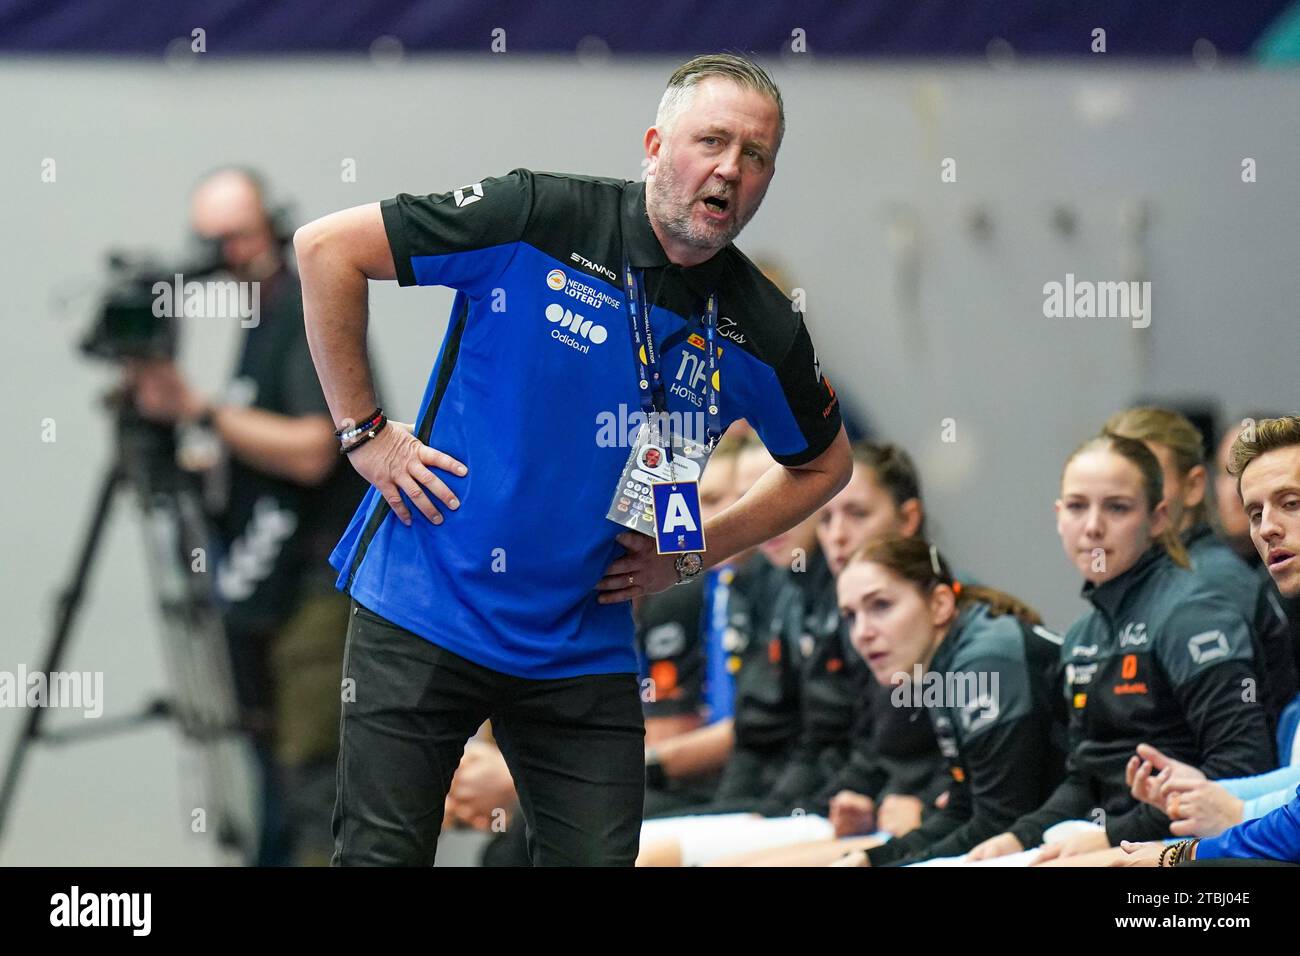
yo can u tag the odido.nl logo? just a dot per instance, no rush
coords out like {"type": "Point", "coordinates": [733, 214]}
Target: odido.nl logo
{"type": "Point", "coordinates": [581, 332]}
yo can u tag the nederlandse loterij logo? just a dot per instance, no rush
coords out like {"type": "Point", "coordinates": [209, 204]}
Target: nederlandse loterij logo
{"type": "Point", "coordinates": [584, 294]}
{"type": "Point", "coordinates": [468, 194]}
{"type": "Point", "coordinates": [577, 325]}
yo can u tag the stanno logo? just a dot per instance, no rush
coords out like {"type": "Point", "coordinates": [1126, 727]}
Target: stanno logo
{"type": "Point", "coordinates": [577, 325]}
{"type": "Point", "coordinates": [466, 195]}
{"type": "Point", "coordinates": [595, 267]}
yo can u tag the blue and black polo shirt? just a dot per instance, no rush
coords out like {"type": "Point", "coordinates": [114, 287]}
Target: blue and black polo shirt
{"type": "Point", "coordinates": [535, 390]}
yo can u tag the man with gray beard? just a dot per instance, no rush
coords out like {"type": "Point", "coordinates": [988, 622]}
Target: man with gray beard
{"type": "Point", "coordinates": [507, 596]}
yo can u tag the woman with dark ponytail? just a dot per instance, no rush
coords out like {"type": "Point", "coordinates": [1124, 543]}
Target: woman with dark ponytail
{"type": "Point", "coordinates": [983, 667]}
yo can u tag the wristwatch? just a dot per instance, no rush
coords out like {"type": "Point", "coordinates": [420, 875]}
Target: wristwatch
{"type": "Point", "coordinates": [688, 566]}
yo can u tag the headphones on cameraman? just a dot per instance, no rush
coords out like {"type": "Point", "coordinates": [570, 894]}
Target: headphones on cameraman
{"type": "Point", "coordinates": [279, 216]}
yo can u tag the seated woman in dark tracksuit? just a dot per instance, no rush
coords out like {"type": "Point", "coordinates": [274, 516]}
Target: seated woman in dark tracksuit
{"type": "Point", "coordinates": [1161, 658]}
{"type": "Point", "coordinates": [985, 670]}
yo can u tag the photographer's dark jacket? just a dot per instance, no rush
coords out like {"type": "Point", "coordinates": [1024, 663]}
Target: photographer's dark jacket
{"type": "Point", "coordinates": [277, 535]}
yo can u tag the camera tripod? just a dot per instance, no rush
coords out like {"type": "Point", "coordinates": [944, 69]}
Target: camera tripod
{"type": "Point", "coordinates": [197, 659]}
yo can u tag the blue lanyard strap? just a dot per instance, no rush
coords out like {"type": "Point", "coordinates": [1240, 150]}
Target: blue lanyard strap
{"type": "Point", "coordinates": [649, 380]}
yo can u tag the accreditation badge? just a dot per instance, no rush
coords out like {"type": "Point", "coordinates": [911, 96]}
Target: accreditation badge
{"type": "Point", "coordinates": [677, 522]}
{"type": "Point", "coordinates": [633, 504]}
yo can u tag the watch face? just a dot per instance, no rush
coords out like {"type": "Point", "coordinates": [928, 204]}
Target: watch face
{"type": "Point", "coordinates": [690, 563]}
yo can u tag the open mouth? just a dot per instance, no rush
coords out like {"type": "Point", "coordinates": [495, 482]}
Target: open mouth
{"type": "Point", "coordinates": [1279, 557]}
{"type": "Point", "coordinates": [716, 203]}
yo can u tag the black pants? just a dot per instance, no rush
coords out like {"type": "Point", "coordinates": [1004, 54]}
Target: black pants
{"type": "Point", "coordinates": [575, 747]}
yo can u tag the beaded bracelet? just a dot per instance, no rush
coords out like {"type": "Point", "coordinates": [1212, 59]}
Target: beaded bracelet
{"type": "Point", "coordinates": [1178, 853]}
{"type": "Point", "coordinates": [346, 434]}
{"type": "Point", "coordinates": [364, 437]}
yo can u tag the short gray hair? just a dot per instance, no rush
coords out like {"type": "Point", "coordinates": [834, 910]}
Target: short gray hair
{"type": "Point", "coordinates": [742, 71]}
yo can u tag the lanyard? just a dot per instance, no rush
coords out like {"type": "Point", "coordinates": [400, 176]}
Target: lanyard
{"type": "Point", "coordinates": [649, 380]}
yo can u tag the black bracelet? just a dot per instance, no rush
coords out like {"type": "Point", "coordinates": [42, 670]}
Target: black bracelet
{"type": "Point", "coordinates": [363, 425]}
{"type": "Point", "coordinates": [364, 437]}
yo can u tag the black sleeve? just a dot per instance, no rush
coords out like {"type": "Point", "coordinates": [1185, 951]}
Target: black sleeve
{"type": "Point", "coordinates": [799, 419]}
{"type": "Point", "coordinates": [918, 844]}
{"type": "Point", "coordinates": [828, 689]}
{"type": "Point", "coordinates": [1000, 788]}
{"type": "Point", "coordinates": [1205, 653]}
{"type": "Point", "coordinates": [862, 772]}
{"type": "Point", "coordinates": [1070, 801]}
{"type": "Point", "coordinates": [796, 788]}
{"type": "Point", "coordinates": [1231, 735]}
{"type": "Point", "coordinates": [1002, 742]}
{"type": "Point", "coordinates": [1208, 659]}
{"type": "Point", "coordinates": [767, 685]}
{"type": "Point", "coordinates": [464, 238]}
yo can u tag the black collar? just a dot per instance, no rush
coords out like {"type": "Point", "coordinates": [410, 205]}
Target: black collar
{"type": "Point", "coordinates": [644, 251]}
{"type": "Point", "coordinates": [1108, 597]}
{"type": "Point", "coordinates": [943, 656]}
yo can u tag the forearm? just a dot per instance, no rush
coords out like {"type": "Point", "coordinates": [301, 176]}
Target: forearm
{"type": "Point", "coordinates": [301, 450]}
{"type": "Point", "coordinates": [779, 500]}
{"type": "Point", "coordinates": [335, 292]}
{"type": "Point", "coordinates": [699, 751]}
{"type": "Point", "coordinates": [1262, 784]}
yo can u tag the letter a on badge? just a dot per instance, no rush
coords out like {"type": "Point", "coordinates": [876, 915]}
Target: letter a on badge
{"type": "Point", "coordinates": [677, 517]}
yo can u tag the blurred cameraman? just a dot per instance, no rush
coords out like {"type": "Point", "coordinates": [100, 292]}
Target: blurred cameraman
{"type": "Point", "coordinates": [288, 497]}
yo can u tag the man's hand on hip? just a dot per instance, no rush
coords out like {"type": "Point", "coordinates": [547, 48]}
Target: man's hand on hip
{"type": "Point", "coordinates": [395, 459]}
{"type": "Point", "coordinates": [642, 570]}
